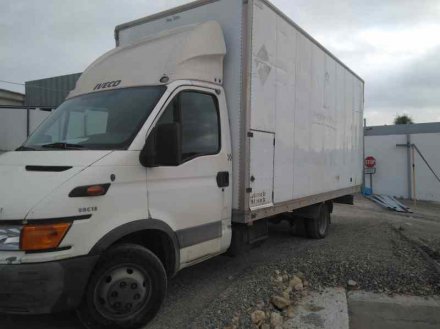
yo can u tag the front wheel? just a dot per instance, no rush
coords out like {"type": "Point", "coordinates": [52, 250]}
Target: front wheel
{"type": "Point", "coordinates": [125, 290]}
{"type": "Point", "coordinates": [317, 228]}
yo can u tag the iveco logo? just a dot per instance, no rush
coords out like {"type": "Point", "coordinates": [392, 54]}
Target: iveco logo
{"type": "Point", "coordinates": [108, 84]}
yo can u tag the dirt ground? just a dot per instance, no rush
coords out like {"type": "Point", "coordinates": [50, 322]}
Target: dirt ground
{"type": "Point", "coordinates": [367, 244]}
{"type": "Point", "coordinates": [423, 227]}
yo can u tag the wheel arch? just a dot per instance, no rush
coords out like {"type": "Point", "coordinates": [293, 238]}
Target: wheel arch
{"type": "Point", "coordinates": [145, 232]}
{"type": "Point", "coordinates": [309, 212]}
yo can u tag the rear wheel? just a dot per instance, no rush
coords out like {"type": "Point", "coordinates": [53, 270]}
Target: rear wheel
{"type": "Point", "coordinates": [126, 289]}
{"type": "Point", "coordinates": [317, 228]}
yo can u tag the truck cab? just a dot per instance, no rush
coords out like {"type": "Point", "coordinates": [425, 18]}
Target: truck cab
{"type": "Point", "coordinates": [126, 183]}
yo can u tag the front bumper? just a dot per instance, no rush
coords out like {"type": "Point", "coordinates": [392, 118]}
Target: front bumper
{"type": "Point", "coordinates": [44, 287]}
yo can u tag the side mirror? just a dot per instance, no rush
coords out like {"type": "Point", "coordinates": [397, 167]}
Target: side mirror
{"type": "Point", "coordinates": [163, 146]}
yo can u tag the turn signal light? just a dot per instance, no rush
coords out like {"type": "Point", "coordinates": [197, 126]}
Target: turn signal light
{"type": "Point", "coordinates": [90, 190]}
{"type": "Point", "coordinates": [43, 237]}
{"type": "Point", "coordinates": [96, 190]}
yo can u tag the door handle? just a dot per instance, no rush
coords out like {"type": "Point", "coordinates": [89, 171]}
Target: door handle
{"type": "Point", "coordinates": [223, 179]}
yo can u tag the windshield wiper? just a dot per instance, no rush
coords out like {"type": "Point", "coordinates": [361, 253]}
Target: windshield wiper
{"type": "Point", "coordinates": [25, 148]}
{"type": "Point", "coordinates": [63, 146]}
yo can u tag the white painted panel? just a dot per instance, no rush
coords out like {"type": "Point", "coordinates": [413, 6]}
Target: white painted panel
{"type": "Point", "coordinates": [285, 110]}
{"type": "Point", "coordinates": [341, 132]}
{"type": "Point", "coordinates": [318, 124]}
{"type": "Point", "coordinates": [348, 142]}
{"type": "Point", "coordinates": [12, 128]}
{"type": "Point", "coordinates": [302, 129]}
{"type": "Point", "coordinates": [264, 77]}
{"type": "Point", "coordinates": [427, 186]}
{"type": "Point", "coordinates": [359, 132]}
{"type": "Point", "coordinates": [261, 170]}
{"type": "Point", "coordinates": [332, 178]}
{"type": "Point", "coordinates": [320, 99]}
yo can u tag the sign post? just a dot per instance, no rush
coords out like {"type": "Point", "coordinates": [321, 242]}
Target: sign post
{"type": "Point", "coordinates": [370, 169]}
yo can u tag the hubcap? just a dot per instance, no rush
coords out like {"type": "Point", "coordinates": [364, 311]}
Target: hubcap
{"type": "Point", "coordinates": [323, 223]}
{"type": "Point", "coordinates": [122, 291]}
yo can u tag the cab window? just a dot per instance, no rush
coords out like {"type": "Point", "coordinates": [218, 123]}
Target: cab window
{"type": "Point", "coordinates": [198, 116]}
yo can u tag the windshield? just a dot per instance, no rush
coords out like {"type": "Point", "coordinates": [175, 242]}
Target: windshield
{"type": "Point", "coordinates": [104, 120]}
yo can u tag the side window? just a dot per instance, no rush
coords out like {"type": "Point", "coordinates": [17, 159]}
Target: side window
{"type": "Point", "coordinates": [200, 124]}
{"type": "Point", "coordinates": [199, 118]}
{"type": "Point", "coordinates": [170, 114]}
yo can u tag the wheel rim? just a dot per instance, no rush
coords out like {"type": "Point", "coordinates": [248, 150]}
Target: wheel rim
{"type": "Point", "coordinates": [122, 291]}
{"type": "Point", "coordinates": [323, 224]}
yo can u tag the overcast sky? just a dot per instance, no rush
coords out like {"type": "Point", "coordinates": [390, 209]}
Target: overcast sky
{"type": "Point", "coordinates": [393, 44]}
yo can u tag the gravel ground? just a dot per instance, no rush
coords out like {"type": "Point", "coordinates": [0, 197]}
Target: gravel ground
{"type": "Point", "coordinates": [425, 230]}
{"type": "Point", "coordinates": [363, 245]}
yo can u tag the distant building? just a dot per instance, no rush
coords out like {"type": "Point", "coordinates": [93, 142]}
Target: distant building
{"type": "Point", "coordinates": [407, 160]}
{"type": "Point", "coordinates": [11, 98]}
{"type": "Point", "coordinates": [50, 92]}
{"type": "Point", "coordinates": [21, 114]}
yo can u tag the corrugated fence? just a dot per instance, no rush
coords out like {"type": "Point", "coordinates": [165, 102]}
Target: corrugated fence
{"type": "Point", "coordinates": [50, 92]}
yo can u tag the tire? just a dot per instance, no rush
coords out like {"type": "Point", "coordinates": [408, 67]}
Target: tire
{"type": "Point", "coordinates": [317, 228]}
{"type": "Point", "coordinates": [125, 290]}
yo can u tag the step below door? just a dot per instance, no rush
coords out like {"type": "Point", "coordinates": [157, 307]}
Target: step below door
{"type": "Point", "coordinates": [261, 170]}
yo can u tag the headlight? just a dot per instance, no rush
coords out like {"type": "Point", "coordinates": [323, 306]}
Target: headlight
{"type": "Point", "coordinates": [32, 237]}
{"type": "Point", "coordinates": [10, 237]}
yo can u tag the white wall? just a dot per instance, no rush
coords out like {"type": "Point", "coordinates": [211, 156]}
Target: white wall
{"type": "Point", "coordinates": [13, 126]}
{"type": "Point", "coordinates": [391, 176]}
{"type": "Point", "coordinates": [427, 187]}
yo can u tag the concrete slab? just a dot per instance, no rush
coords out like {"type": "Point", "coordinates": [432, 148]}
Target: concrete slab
{"type": "Point", "coordinates": [376, 311]}
{"type": "Point", "coordinates": [327, 309]}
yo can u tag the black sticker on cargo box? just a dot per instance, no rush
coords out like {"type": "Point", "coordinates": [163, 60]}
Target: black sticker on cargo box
{"type": "Point", "coordinates": [258, 198]}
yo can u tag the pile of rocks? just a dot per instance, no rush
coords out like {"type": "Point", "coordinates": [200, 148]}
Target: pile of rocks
{"type": "Point", "coordinates": [272, 314]}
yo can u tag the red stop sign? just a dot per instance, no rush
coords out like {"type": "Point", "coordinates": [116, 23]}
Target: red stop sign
{"type": "Point", "coordinates": [370, 162]}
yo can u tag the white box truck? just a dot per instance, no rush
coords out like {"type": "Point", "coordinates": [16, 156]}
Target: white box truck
{"type": "Point", "coordinates": [180, 144]}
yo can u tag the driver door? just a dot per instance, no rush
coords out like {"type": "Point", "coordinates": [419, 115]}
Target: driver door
{"type": "Point", "coordinates": [193, 197]}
